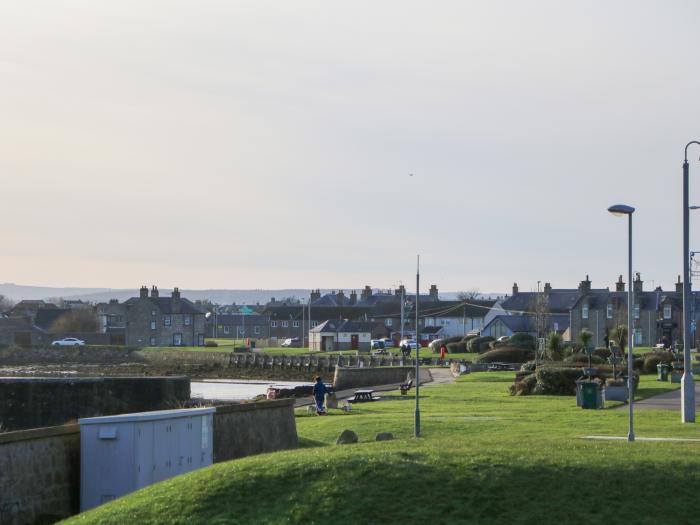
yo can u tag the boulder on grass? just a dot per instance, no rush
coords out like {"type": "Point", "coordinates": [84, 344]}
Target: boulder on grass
{"type": "Point", "coordinates": [346, 437]}
{"type": "Point", "coordinates": [384, 436]}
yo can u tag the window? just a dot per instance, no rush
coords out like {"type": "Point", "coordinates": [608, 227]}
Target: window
{"type": "Point", "coordinates": [188, 320]}
{"type": "Point", "coordinates": [256, 330]}
{"type": "Point", "coordinates": [636, 311]}
{"type": "Point", "coordinates": [667, 311]}
{"type": "Point", "coordinates": [153, 325]}
{"type": "Point", "coordinates": [227, 329]}
{"type": "Point", "coordinates": [200, 339]}
{"type": "Point", "coordinates": [584, 311]}
{"type": "Point", "coordinates": [638, 336]}
{"type": "Point", "coordinates": [153, 341]}
{"type": "Point", "coordinates": [314, 323]}
{"type": "Point", "coordinates": [430, 321]}
{"type": "Point", "coordinates": [273, 324]}
{"type": "Point", "coordinates": [295, 324]}
{"type": "Point", "coordinates": [610, 311]}
{"type": "Point", "coordinates": [177, 339]}
{"type": "Point", "coordinates": [285, 324]}
{"type": "Point", "coordinates": [153, 313]}
{"type": "Point", "coordinates": [387, 321]}
{"type": "Point", "coordinates": [167, 320]}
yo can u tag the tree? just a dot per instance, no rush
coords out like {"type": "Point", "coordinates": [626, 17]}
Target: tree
{"type": "Point", "coordinates": [82, 320]}
{"type": "Point", "coordinates": [555, 346]}
{"type": "Point", "coordinates": [585, 337]}
{"type": "Point", "coordinates": [5, 303]}
{"type": "Point", "coordinates": [470, 295]}
{"type": "Point", "coordinates": [539, 313]}
{"type": "Point", "coordinates": [619, 335]}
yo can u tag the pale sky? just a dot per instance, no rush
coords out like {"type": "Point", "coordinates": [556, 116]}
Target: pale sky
{"type": "Point", "coordinates": [259, 144]}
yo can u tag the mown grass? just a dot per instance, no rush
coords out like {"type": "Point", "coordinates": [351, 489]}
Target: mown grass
{"type": "Point", "coordinates": [483, 457]}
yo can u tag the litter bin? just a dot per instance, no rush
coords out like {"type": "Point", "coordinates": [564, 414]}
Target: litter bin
{"type": "Point", "coordinates": [662, 369]}
{"type": "Point", "coordinates": [588, 394]}
{"type": "Point", "coordinates": [252, 344]}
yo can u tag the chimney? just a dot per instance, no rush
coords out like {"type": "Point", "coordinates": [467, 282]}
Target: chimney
{"type": "Point", "coordinates": [114, 301]}
{"type": "Point", "coordinates": [175, 300]}
{"type": "Point", "coordinates": [340, 297]}
{"type": "Point", "coordinates": [515, 288]}
{"type": "Point", "coordinates": [401, 290]}
{"type": "Point", "coordinates": [353, 297]}
{"type": "Point", "coordinates": [620, 285]}
{"type": "Point", "coordinates": [315, 295]}
{"type": "Point", "coordinates": [585, 286]}
{"type": "Point", "coordinates": [272, 300]}
{"type": "Point", "coordinates": [679, 285]}
{"type": "Point", "coordinates": [143, 292]}
{"type": "Point", "coordinates": [638, 283]}
{"type": "Point", "coordinates": [366, 293]}
{"type": "Point", "coordinates": [547, 288]}
{"type": "Point", "coordinates": [433, 291]}
{"type": "Point", "coordinates": [154, 291]}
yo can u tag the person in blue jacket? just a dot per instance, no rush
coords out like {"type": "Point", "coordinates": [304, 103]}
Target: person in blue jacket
{"type": "Point", "coordinates": [320, 391]}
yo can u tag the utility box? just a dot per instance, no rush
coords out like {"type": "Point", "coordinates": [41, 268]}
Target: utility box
{"type": "Point", "coordinates": [121, 454]}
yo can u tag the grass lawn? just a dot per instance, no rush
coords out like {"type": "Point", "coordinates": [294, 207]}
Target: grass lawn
{"type": "Point", "coordinates": [484, 457]}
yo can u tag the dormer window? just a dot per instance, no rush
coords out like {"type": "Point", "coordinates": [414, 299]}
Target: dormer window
{"type": "Point", "coordinates": [667, 311]}
{"type": "Point", "coordinates": [584, 311]}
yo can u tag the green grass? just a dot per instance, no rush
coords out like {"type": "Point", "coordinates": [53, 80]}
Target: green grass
{"type": "Point", "coordinates": [484, 457]}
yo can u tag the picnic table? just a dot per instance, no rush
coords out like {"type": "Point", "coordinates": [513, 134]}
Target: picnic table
{"type": "Point", "coordinates": [493, 367]}
{"type": "Point", "coordinates": [362, 396]}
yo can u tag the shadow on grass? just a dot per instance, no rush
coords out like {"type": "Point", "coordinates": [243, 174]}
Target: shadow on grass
{"type": "Point", "coordinates": [310, 443]}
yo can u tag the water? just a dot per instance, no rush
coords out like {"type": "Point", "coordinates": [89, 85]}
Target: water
{"type": "Point", "coordinates": [239, 390]}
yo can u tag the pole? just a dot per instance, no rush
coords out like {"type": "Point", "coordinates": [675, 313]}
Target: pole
{"type": "Point", "coordinates": [687, 382]}
{"type": "Point", "coordinates": [630, 338]}
{"type": "Point", "coordinates": [417, 415]}
{"type": "Point", "coordinates": [403, 291]}
{"type": "Point", "coordinates": [302, 325]}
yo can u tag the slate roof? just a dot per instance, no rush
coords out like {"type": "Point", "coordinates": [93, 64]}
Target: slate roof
{"type": "Point", "coordinates": [525, 323]}
{"type": "Point", "coordinates": [561, 300]}
{"type": "Point", "coordinates": [238, 319]}
{"type": "Point", "coordinates": [165, 304]}
{"type": "Point", "coordinates": [345, 326]}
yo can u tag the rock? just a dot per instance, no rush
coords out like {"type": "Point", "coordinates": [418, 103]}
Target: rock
{"type": "Point", "coordinates": [384, 436]}
{"type": "Point", "coordinates": [346, 437]}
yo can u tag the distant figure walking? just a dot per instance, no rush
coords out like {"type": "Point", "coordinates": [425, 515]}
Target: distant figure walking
{"type": "Point", "coordinates": [443, 351]}
{"type": "Point", "coordinates": [320, 391]}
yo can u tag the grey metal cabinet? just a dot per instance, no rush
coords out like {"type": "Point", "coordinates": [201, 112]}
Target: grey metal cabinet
{"type": "Point", "coordinates": [121, 454]}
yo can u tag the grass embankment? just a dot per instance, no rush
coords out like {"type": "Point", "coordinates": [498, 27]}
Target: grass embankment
{"type": "Point", "coordinates": [484, 457]}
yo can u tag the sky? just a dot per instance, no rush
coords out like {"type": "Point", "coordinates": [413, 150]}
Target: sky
{"type": "Point", "coordinates": [259, 144]}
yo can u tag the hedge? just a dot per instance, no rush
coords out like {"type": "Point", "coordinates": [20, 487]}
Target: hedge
{"type": "Point", "coordinates": [522, 340]}
{"type": "Point", "coordinates": [509, 354]}
{"type": "Point", "coordinates": [654, 358]}
{"type": "Point", "coordinates": [582, 358]}
{"type": "Point", "coordinates": [476, 344]}
{"type": "Point", "coordinates": [456, 348]}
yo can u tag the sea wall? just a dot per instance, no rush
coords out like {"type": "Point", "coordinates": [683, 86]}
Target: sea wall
{"type": "Point", "coordinates": [253, 428]}
{"type": "Point", "coordinates": [39, 475]}
{"type": "Point", "coordinates": [356, 377]}
{"type": "Point", "coordinates": [43, 402]}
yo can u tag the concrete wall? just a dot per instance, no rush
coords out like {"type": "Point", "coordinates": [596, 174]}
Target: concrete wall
{"type": "Point", "coordinates": [43, 402]}
{"type": "Point", "coordinates": [357, 377]}
{"type": "Point", "coordinates": [39, 475]}
{"type": "Point", "coordinates": [254, 428]}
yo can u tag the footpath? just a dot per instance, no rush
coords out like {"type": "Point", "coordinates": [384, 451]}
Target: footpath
{"type": "Point", "coordinates": [665, 401]}
{"type": "Point", "coordinates": [439, 376]}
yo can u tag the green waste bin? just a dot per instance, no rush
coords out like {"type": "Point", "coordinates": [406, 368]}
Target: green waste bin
{"type": "Point", "coordinates": [590, 394]}
{"type": "Point", "coordinates": [662, 369]}
{"type": "Point", "coordinates": [252, 344]}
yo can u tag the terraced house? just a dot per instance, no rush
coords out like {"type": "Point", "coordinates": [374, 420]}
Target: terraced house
{"type": "Point", "coordinates": [152, 320]}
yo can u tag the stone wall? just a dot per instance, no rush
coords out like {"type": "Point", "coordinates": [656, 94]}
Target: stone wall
{"type": "Point", "coordinates": [254, 428]}
{"type": "Point", "coordinates": [43, 402]}
{"type": "Point", "coordinates": [39, 475]}
{"type": "Point", "coordinates": [356, 377]}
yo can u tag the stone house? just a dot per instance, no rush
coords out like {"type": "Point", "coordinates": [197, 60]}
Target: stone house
{"type": "Point", "coordinates": [21, 331]}
{"type": "Point", "coordinates": [238, 326]}
{"type": "Point", "coordinates": [163, 321]}
{"type": "Point", "coordinates": [112, 318]}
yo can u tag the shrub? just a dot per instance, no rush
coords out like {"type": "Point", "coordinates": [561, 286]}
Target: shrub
{"type": "Point", "coordinates": [557, 381]}
{"type": "Point", "coordinates": [477, 343]}
{"type": "Point", "coordinates": [522, 340]}
{"type": "Point", "coordinates": [654, 358]}
{"type": "Point", "coordinates": [455, 339]}
{"type": "Point", "coordinates": [468, 338]}
{"type": "Point", "coordinates": [456, 348]}
{"type": "Point", "coordinates": [508, 354]}
{"type": "Point", "coordinates": [529, 366]}
{"type": "Point", "coordinates": [525, 386]}
{"type": "Point", "coordinates": [211, 343]}
{"type": "Point", "coordinates": [582, 358]}
{"type": "Point", "coordinates": [602, 352]}
{"type": "Point", "coordinates": [555, 347]}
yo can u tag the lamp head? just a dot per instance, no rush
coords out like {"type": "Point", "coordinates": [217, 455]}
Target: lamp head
{"type": "Point", "coordinates": [621, 209]}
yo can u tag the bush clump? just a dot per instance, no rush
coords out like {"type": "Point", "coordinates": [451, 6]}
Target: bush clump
{"type": "Point", "coordinates": [557, 381]}
{"type": "Point", "coordinates": [582, 358]}
{"type": "Point", "coordinates": [655, 358]}
{"type": "Point", "coordinates": [479, 344]}
{"type": "Point", "coordinates": [528, 366]}
{"type": "Point", "coordinates": [508, 354]}
{"type": "Point", "coordinates": [456, 348]}
{"type": "Point", "coordinates": [211, 344]}
{"type": "Point", "coordinates": [602, 352]}
{"type": "Point", "coordinates": [522, 340]}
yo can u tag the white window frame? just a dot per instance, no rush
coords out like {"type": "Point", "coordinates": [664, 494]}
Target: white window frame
{"type": "Point", "coordinates": [153, 341]}
{"type": "Point", "coordinates": [388, 321]}
{"type": "Point", "coordinates": [609, 311]}
{"type": "Point", "coordinates": [667, 311]}
{"type": "Point", "coordinates": [314, 324]}
{"type": "Point", "coordinates": [154, 325]}
{"type": "Point", "coordinates": [273, 324]}
{"type": "Point", "coordinates": [285, 324]}
{"type": "Point", "coordinates": [636, 311]}
{"type": "Point", "coordinates": [188, 320]}
{"type": "Point", "coordinates": [177, 337]}
{"type": "Point", "coordinates": [227, 329]}
{"type": "Point", "coordinates": [256, 330]}
{"type": "Point", "coordinates": [167, 320]}
{"type": "Point", "coordinates": [638, 336]}
{"type": "Point", "coordinates": [295, 324]}
{"type": "Point", "coordinates": [584, 311]}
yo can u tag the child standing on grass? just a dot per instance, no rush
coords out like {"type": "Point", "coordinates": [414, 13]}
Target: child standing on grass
{"type": "Point", "coordinates": [319, 395]}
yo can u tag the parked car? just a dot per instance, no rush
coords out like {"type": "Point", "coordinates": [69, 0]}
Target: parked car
{"type": "Point", "coordinates": [503, 338]}
{"type": "Point", "coordinates": [69, 341]}
{"type": "Point", "coordinates": [411, 343]}
{"type": "Point", "coordinates": [291, 342]}
{"type": "Point", "coordinates": [377, 344]}
{"type": "Point", "coordinates": [388, 342]}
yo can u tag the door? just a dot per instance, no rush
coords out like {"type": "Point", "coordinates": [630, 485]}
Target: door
{"type": "Point", "coordinates": [354, 341]}
{"type": "Point", "coordinates": [177, 339]}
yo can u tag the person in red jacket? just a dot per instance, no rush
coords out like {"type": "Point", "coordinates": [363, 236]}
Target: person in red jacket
{"type": "Point", "coordinates": [443, 351]}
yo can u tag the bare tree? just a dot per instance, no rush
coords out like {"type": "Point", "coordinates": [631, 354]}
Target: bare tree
{"type": "Point", "coordinates": [469, 295]}
{"type": "Point", "coordinates": [538, 310]}
{"type": "Point", "coordinates": [5, 303]}
{"type": "Point", "coordinates": [77, 321]}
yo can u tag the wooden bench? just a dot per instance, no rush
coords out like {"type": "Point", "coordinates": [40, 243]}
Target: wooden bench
{"type": "Point", "coordinates": [406, 387]}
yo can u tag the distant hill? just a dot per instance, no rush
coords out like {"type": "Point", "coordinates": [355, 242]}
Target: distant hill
{"type": "Point", "coordinates": [18, 292]}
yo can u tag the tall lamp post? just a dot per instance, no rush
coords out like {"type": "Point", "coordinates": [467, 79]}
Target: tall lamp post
{"type": "Point", "coordinates": [417, 414]}
{"type": "Point", "coordinates": [621, 210]}
{"type": "Point", "coordinates": [687, 382]}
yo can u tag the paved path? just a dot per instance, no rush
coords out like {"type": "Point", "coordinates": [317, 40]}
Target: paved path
{"type": "Point", "coordinates": [441, 376]}
{"type": "Point", "coordinates": [666, 401]}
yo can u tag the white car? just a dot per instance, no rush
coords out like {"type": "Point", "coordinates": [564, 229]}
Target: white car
{"type": "Point", "coordinates": [388, 342]}
{"type": "Point", "coordinates": [69, 341]}
{"type": "Point", "coordinates": [411, 343]}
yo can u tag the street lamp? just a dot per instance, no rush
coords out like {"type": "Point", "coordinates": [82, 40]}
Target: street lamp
{"type": "Point", "coordinates": [621, 210]}
{"type": "Point", "coordinates": [687, 383]}
{"type": "Point", "coordinates": [416, 422]}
